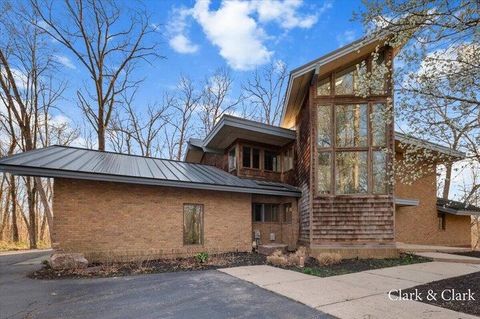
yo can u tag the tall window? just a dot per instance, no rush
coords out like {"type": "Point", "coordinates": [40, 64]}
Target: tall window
{"type": "Point", "coordinates": [192, 224]}
{"type": "Point", "coordinates": [351, 158]}
{"type": "Point", "coordinates": [232, 160]}
{"type": "Point", "coordinates": [288, 159]}
{"type": "Point", "coordinates": [271, 161]}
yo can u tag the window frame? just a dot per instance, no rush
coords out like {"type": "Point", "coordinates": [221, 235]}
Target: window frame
{"type": "Point", "coordinates": [278, 213]}
{"type": "Point", "coordinates": [333, 149]}
{"type": "Point", "coordinates": [202, 231]}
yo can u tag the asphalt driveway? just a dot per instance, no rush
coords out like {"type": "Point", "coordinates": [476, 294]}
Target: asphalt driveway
{"type": "Point", "coordinates": [200, 294]}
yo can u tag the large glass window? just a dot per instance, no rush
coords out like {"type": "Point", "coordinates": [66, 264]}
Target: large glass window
{"type": "Point", "coordinates": [379, 119]}
{"type": "Point", "coordinates": [271, 161]}
{"type": "Point", "coordinates": [232, 160]}
{"type": "Point", "coordinates": [246, 162]}
{"type": "Point", "coordinates": [347, 81]}
{"type": "Point", "coordinates": [379, 171]}
{"type": "Point", "coordinates": [324, 169]}
{"type": "Point", "coordinates": [351, 172]}
{"type": "Point", "coordinates": [323, 87]}
{"type": "Point", "coordinates": [288, 159]}
{"type": "Point", "coordinates": [352, 126]}
{"type": "Point", "coordinates": [324, 126]}
{"type": "Point", "coordinates": [255, 158]}
{"type": "Point", "coordinates": [192, 224]}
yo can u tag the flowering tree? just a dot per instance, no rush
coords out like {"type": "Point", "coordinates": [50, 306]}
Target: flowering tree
{"type": "Point", "coordinates": [437, 83]}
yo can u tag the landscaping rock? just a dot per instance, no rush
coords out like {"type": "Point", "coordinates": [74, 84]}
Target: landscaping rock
{"type": "Point", "coordinates": [269, 249]}
{"type": "Point", "coordinates": [68, 261]}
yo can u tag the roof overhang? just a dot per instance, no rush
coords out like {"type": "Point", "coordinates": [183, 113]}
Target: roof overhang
{"type": "Point", "coordinates": [301, 77]}
{"type": "Point", "coordinates": [401, 138]}
{"type": "Point", "coordinates": [456, 212]}
{"type": "Point", "coordinates": [231, 128]}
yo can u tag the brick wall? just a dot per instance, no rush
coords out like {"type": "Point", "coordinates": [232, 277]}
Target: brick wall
{"type": "Point", "coordinates": [111, 220]}
{"type": "Point", "coordinates": [419, 224]}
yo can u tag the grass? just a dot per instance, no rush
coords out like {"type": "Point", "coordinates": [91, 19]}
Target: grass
{"type": "Point", "coordinates": [22, 245]}
{"type": "Point", "coordinates": [356, 265]}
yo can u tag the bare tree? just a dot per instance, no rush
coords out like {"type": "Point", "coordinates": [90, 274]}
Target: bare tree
{"type": "Point", "coordinates": [186, 102]}
{"type": "Point", "coordinates": [139, 133]}
{"type": "Point", "coordinates": [27, 93]}
{"type": "Point", "coordinates": [109, 41]}
{"type": "Point", "coordinates": [265, 90]}
{"type": "Point", "coordinates": [216, 99]}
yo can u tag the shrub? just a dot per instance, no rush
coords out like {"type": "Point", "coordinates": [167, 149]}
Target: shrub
{"type": "Point", "coordinates": [298, 257]}
{"type": "Point", "coordinates": [277, 259]}
{"type": "Point", "coordinates": [201, 257]}
{"type": "Point", "coordinates": [327, 259]}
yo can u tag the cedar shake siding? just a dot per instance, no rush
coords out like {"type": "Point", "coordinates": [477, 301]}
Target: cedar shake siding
{"type": "Point", "coordinates": [303, 172]}
{"type": "Point", "coordinates": [115, 220]}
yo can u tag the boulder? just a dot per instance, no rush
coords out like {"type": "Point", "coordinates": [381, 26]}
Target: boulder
{"type": "Point", "coordinates": [68, 261]}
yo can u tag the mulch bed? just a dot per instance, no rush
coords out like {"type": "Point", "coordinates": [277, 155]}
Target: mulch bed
{"type": "Point", "coordinates": [347, 266]}
{"type": "Point", "coordinates": [461, 285]}
{"type": "Point", "coordinates": [473, 253]}
{"type": "Point", "coordinates": [152, 266]}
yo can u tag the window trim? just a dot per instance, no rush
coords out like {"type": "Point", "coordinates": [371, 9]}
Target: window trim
{"type": "Point", "coordinates": [202, 236]}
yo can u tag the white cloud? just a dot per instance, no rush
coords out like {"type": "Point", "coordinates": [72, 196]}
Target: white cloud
{"type": "Point", "coordinates": [182, 44]}
{"type": "Point", "coordinates": [346, 37]}
{"type": "Point", "coordinates": [177, 30]}
{"type": "Point", "coordinates": [65, 61]}
{"type": "Point", "coordinates": [237, 27]}
{"type": "Point", "coordinates": [285, 13]}
{"type": "Point", "coordinates": [235, 32]}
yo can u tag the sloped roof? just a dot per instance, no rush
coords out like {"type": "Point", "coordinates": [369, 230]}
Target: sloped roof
{"type": "Point", "coordinates": [72, 162]}
{"type": "Point", "coordinates": [456, 208]}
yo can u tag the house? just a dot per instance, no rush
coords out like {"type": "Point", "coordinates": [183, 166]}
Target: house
{"type": "Point", "coordinates": [321, 179]}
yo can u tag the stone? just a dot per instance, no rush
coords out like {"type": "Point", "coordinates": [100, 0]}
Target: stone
{"type": "Point", "coordinates": [269, 249]}
{"type": "Point", "coordinates": [68, 261]}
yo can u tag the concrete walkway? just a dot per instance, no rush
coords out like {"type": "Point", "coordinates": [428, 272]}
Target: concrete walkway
{"type": "Point", "coordinates": [450, 257]}
{"type": "Point", "coordinates": [359, 295]}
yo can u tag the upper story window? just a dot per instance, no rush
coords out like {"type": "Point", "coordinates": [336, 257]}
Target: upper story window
{"type": "Point", "coordinates": [351, 158]}
{"type": "Point", "coordinates": [271, 161]}
{"type": "Point", "coordinates": [232, 160]}
{"type": "Point", "coordinates": [250, 157]}
{"type": "Point", "coordinates": [288, 159]}
{"type": "Point", "coordinates": [348, 81]}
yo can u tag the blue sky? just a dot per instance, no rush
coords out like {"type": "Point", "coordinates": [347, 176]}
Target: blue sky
{"type": "Point", "coordinates": [197, 38]}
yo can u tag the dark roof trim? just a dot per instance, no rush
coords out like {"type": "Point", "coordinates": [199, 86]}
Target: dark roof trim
{"type": "Point", "coordinates": [57, 173]}
{"type": "Point", "coordinates": [229, 120]}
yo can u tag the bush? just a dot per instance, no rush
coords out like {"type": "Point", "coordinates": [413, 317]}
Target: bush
{"type": "Point", "coordinates": [277, 259]}
{"type": "Point", "coordinates": [327, 259]}
{"type": "Point", "coordinates": [201, 257]}
{"type": "Point", "coordinates": [298, 257]}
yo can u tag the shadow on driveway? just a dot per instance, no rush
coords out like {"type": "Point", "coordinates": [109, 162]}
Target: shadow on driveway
{"type": "Point", "coordinates": [198, 294]}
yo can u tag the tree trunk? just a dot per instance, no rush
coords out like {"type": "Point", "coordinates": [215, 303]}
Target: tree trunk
{"type": "Point", "coordinates": [5, 217]}
{"type": "Point", "coordinates": [46, 206]}
{"type": "Point", "coordinates": [101, 139]}
{"type": "Point", "coordinates": [448, 178]}
{"type": "Point", "coordinates": [32, 231]}
{"type": "Point", "coordinates": [13, 197]}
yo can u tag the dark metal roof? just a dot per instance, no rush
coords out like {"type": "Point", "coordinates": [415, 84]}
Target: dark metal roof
{"type": "Point", "coordinates": [456, 207]}
{"type": "Point", "coordinates": [72, 162]}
